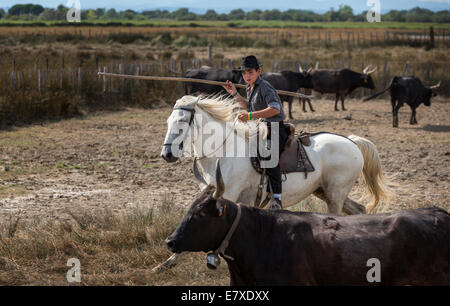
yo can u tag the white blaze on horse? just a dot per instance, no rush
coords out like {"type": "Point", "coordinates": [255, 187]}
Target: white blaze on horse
{"type": "Point", "coordinates": [338, 161]}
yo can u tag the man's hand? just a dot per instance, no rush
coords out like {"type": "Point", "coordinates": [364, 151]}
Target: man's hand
{"type": "Point", "coordinates": [243, 117]}
{"type": "Point", "coordinates": [230, 88]}
{"type": "Point", "coordinates": [265, 113]}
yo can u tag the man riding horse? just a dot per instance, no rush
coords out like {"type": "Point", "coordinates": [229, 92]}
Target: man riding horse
{"type": "Point", "coordinates": [263, 102]}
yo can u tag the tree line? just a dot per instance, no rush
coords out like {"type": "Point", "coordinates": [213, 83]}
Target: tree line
{"type": "Point", "coordinates": [343, 13]}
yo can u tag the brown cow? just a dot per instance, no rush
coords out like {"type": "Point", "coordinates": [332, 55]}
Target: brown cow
{"type": "Point", "coordinates": [298, 248]}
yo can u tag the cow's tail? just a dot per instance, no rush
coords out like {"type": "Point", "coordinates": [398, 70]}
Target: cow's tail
{"type": "Point", "coordinates": [377, 185]}
{"type": "Point", "coordinates": [381, 92]}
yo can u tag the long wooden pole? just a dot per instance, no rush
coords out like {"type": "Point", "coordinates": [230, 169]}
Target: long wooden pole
{"type": "Point", "coordinates": [178, 79]}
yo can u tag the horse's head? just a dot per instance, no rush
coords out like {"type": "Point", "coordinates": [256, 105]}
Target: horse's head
{"type": "Point", "coordinates": [178, 125]}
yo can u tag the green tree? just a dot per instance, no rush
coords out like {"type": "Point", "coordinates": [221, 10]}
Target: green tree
{"type": "Point", "coordinates": [183, 14]}
{"type": "Point", "coordinates": [91, 15]}
{"type": "Point", "coordinates": [61, 12]}
{"type": "Point", "coordinates": [331, 15]}
{"type": "Point", "coordinates": [128, 14]}
{"type": "Point", "coordinates": [253, 15]}
{"type": "Point", "coordinates": [418, 14]}
{"type": "Point", "coordinates": [223, 17]}
{"type": "Point", "coordinates": [441, 17]}
{"type": "Point", "coordinates": [271, 15]}
{"type": "Point", "coordinates": [100, 12]}
{"type": "Point", "coordinates": [345, 13]}
{"type": "Point", "coordinates": [26, 9]}
{"type": "Point", "coordinates": [210, 15]}
{"type": "Point", "coordinates": [394, 15]}
{"type": "Point", "coordinates": [238, 14]}
{"type": "Point", "coordinates": [111, 14]}
{"type": "Point", "coordinates": [36, 9]}
{"type": "Point", "coordinates": [47, 14]}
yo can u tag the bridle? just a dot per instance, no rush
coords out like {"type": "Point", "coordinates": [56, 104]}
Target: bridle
{"type": "Point", "coordinates": [192, 111]}
{"type": "Point", "coordinates": [191, 120]}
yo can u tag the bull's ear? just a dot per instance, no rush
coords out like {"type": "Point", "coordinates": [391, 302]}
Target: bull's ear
{"type": "Point", "coordinates": [220, 208]}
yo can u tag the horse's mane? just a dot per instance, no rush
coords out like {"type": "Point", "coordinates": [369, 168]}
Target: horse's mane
{"type": "Point", "coordinates": [221, 108]}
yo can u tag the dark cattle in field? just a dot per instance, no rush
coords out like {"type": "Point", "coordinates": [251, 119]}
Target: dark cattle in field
{"type": "Point", "coordinates": [298, 248]}
{"type": "Point", "coordinates": [410, 90]}
{"type": "Point", "coordinates": [303, 101]}
{"type": "Point", "coordinates": [213, 74]}
{"type": "Point", "coordinates": [289, 81]}
{"type": "Point", "coordinates": [340, 82]}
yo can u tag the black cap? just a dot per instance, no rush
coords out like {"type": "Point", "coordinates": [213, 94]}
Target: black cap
{"type": "Point", "coordinates": [250, 62]}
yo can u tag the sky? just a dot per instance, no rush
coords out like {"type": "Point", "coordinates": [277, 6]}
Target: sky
{"type": "Point", "coordinates": [200, 6]}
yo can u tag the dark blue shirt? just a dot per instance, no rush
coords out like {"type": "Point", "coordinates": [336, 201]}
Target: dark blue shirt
{"type": "Point", "coordinates": [262, 97]}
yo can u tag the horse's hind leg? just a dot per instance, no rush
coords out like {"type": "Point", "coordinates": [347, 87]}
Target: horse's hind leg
{"type": "Point", "coordinates": [340, 204]}
{"type": "Point", "coordinates": [334, 204]}
{"type": "Point", "coordinates": [353, 208]}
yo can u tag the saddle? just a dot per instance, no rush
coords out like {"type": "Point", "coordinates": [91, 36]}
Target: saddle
{"type": "Point", "coordinates": [293, 158]}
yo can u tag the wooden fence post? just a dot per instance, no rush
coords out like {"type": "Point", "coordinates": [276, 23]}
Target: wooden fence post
{"type": "Point", "coordinates": [39, 80]}
{"type": "Point", "coordinates": [62, 71]}
{"type": "Point", "coordinates": [210, 55]}
{"type": "Point", "coordinates": [104, 80]}
{"type": "Point", "coordinates": [362, 88]}
{"type": "Point", "coordinates": [79, 80]}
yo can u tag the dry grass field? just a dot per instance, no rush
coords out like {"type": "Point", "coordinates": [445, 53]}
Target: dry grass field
{"type": "Point", "coordinates": [95, 188]}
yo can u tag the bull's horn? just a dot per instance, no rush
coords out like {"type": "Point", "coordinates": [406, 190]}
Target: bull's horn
{"type": "Point", "coordinates": [317, 65]}
{"type": "Point", "coordinates": [300, 68]}
{"type": "Point", "coordinates": [436, 86]}
{"type": "Point", "coordinates": [220, 186]}
{"type": "Point", "coordinates": [367, 68]}
{"type": "Point", "coordinates": [372, 71]}
{"type": "Point", "coordinates": [197, 174]}
{"type": "Point", "coordinates": [309, 70]}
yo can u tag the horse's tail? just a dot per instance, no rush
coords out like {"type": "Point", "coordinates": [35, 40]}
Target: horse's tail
{"type": "Point", "coordinates": [377, 185]}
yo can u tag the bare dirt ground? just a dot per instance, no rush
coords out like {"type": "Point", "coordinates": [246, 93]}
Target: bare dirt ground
{"type": "Point", "coordinates": [111, 160]}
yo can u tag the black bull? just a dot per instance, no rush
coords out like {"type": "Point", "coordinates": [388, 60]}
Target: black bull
{"type": "Point", "coordinates": [340, 82]}
{"type": "Point", "coordinates": [289, 81]}
{"type": "Point", "coordinates": [299, 248]}
{"type": "Point", "coordinates": [410, 90]}
{"type": "Point", "coordinates": [212, 74]}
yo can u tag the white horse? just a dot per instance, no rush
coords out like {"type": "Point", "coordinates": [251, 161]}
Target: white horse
{"type": "Point", "coordinates": [338, 161]}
